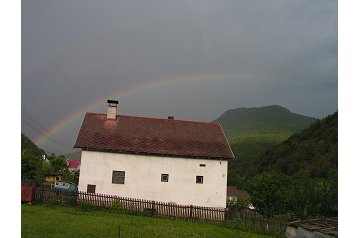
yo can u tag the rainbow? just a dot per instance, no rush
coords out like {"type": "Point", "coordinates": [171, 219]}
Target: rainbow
{"type": "Point", "coordinates": [62, 123]}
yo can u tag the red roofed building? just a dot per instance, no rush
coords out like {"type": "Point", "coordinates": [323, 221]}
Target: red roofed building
{"type": "Point", "coordinates": [166, 160]}
{"type": "Point", "coordinates": [73, 164]}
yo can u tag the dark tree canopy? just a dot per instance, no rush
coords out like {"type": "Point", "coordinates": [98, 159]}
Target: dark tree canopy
{"type": "Point", "coordinates": [300, 175]}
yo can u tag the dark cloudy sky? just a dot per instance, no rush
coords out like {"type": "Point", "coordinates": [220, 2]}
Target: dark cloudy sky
{"type": "Point", "coordinates": [190, 59]}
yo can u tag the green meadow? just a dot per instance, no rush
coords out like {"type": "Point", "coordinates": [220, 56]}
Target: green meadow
{"type": "Point", "coordinates": [60, 221]}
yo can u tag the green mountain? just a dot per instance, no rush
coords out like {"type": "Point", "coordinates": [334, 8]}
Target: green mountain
{"type": "Point", "coordinates": [261, 120]}
{"type": "Point", "coordinates": [251, 131]}
{"type": "Point", "coordinates": [315, 149]}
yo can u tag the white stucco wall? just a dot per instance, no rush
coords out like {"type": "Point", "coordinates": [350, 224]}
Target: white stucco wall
{"type": "Point", "coordinates": [143, 178]}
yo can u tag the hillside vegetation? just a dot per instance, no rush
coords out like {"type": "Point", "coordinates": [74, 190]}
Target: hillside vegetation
{"type": "Point", "coordinates": [287, 162]}
{"type": "Point", "coordinates": [268, 119]}
{"type": "Point", "coordinates": [314, 149]}
{"type": "Point", "coordinates": [34, 168]}
{"type": "Point", "coordinates": [251, 131]}
{"type": "Point", "coordinates": [300, 175]}
{"type": "Point", "coordinates": [27, 144]}
{"type": "Point", "coordinates": [31, 159]}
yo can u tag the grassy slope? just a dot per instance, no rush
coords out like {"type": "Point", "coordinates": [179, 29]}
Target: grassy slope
{"type": "Point", "coordinates": [57, 221]}
{"type": "Point", "coordinates": [251, 131]}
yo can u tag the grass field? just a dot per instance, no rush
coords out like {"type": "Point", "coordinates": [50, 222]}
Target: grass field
{"type": "Point", "coordinates": [59, 221]}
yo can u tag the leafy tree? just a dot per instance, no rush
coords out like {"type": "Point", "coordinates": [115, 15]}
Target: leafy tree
{"type": "Point", "coordinates": [58, 164]}
{"type": "Point", "coordinates": [31, 160]}
{"type": "Point", "coordinates": [75, 176]}
{"type": "Point", "coordinates": [33, 167]}
{"type": "Point", "coordinates": [270, 193]}
{"type": "Point", "coordinates": [301, 195]}
{"type": "Point", "coordinates": [326, 195]}
{"type": "Point", "coordinates": [235, 206]}
{"type": "Point", "coordinates": [238, 204]}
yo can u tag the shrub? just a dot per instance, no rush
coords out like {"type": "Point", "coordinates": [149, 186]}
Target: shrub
{"type": "Point", "coordinates": [117, 205]}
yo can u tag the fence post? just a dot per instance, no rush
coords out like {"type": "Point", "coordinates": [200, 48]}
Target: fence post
{"type": "Point", "coordinates": [153, 205]}
{"type": "Point", "coordinates": [226, 213]}
{"type": "Point", "coordinates": [191, 212]}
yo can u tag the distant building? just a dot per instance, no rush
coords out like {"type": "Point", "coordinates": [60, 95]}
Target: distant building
{"type": "Point", "coordinates": [313, 228]}
{"type": "Point", "coordinates": [73, 165]}
{"type": "Point", "coordinates": [233, 193]}
{"type": "Point", "coordinates": [168, 160]}
{"type": "Point", "coordinates": [53, 177]}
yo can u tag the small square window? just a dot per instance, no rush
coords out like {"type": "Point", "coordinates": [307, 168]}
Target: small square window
{"type": "Point", "coordinates": [165, 178]}
{"type": "Point", "coordinates": [202, 165]}
{"type": "Point", "coordinates": [91, 188]}
{"type": "Point", "coordinates": [199, 179]}
{"type": "Point", "coordinates": [118, 177]}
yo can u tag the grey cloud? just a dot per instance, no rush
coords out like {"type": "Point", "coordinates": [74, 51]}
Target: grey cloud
{"type": "Point", "coordinates": [75, 52]}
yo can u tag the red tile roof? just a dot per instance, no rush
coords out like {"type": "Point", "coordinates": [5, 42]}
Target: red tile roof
{"type": "Point", "coordinates": [232, 191]}
{"type": "Point", "coordinates": [129, 134]}
{"type": "Point", "coordinates": [74, 164]}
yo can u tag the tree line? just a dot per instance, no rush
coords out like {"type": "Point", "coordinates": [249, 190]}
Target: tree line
{"type": "Point", "coordinates": [300, 175]}
{"type": "Point", "coordinates": [34, 168]}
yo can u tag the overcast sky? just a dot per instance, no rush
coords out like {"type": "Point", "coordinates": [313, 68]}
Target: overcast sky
{"type": "Point", "coordinates": [190, 59]}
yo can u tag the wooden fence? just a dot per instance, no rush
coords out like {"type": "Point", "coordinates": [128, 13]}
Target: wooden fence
{"type": "Point", "coordinates": [256, 222]}
{"type": "Point", "coordinates": [131, 205]}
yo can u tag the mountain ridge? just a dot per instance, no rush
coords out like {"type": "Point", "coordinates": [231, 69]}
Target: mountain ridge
{"type": "Point", "coordinates": [272, 118]}
{"type": "Point", "coordinates": [252, 130]}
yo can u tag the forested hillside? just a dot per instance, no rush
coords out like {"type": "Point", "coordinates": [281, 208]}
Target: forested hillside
{"type": "Point", "coordinates": [27, 144]}
{"type": "Point", "coordinates": [300, 175]}
{"type": "Point", "coordinates": [251, 131]}
{"type": "Point", "coordinates": [268, 119]}
{"type": "Point", "coordinates": [314, 149]}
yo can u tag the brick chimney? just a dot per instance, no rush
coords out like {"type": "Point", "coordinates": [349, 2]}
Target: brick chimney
{"type": "Point", "coordinates": [112, 109]}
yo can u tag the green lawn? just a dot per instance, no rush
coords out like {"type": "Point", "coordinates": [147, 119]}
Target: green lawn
{"type": "Point", "coordinates": [59, 221]}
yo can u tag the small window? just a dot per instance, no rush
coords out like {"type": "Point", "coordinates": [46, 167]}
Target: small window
{"type": "Point", "coordinates": [165, 178]}
{"type": "Point", "coordinates": [57, 178]}
{"type": "Point", "coordinates": [91, 188]}
{"type": "Point", "coordinates": [202, 165]}
{"type": "Point", "coordinates": [118, 177]}
{"type": "Point", "coordinates": [199, 179]}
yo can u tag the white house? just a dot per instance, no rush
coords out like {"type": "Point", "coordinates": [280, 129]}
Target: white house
{"type": "Point", "coordinates": [167, 160]}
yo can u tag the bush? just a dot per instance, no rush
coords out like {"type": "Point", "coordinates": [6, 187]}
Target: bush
{"type": "Point", "coordinates": [117, 205]}
{"type": "Point", "coordinates": [236, 205]}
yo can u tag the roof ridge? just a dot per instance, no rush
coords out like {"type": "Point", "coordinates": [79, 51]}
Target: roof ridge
{"type": "Point", "coordinates": [150, 135]}
{"type": "Point", "coordinates": [157, 118]}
